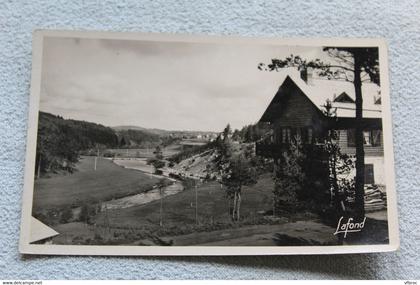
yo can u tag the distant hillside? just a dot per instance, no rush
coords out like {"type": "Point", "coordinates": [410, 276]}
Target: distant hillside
{"type": "Point", "coordinates": [60, 140]}
{"type": "Point", "coordinates": [128, 128]}
{"type": "Point", "coordinates": [83, 134]}
{"type": "Point", "coordinates": [159, 132]}
{"type": "Point", "coordinates": [122, 128]}
{"type": "Point", "coordinates": [141, 138]}
{"type": "Point", "coordinates": [162, 132]}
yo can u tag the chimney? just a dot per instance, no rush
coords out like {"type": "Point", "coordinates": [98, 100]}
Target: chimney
{"type": "Point", "coordinates": [306, 75]}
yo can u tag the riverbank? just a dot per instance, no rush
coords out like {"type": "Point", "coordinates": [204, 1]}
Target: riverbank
{"type": "Point", "coordinates": [89, 186]}
{"type": "Point", "coordinates": [174, 215]}
{"type": "Point", "coordinates": [122, 225]}
{"type": "Point", "coordinates": [179, 210]}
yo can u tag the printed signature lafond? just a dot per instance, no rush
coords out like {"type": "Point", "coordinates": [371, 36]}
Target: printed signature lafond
{"type": "Point", "coordinates": [349, 226]}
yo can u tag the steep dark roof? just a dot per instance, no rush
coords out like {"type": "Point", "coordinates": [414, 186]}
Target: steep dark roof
{"type": "Point", "coordinates": [275, 107]}
{"type": "Point", "coordinates": [321, 90]}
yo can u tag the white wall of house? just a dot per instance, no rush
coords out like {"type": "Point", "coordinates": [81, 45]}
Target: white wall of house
{"type": "Point", "coordinates": [378, 169]}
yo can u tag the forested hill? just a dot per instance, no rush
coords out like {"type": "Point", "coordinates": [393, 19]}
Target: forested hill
{"type": "Point", "coordinates": [138, 138]}
{"type": "Point", "coordinates": [81, 133]}
{"type": "Point", "coordinates": [60, 140]}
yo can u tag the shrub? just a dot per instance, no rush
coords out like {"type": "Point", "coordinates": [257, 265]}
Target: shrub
{"type": "Point", "coordinates": [158, 164]}
{"type": "Point", "coordinates": [66, 215]}
{"type": "Point", "coordinates": [184, 154]}
{"type": "Point", "coordinates": [289, 177]}
{"type": "Point", "coordinates": [86, 214]}
{"type": "Point", "coordinates": [109, 154]}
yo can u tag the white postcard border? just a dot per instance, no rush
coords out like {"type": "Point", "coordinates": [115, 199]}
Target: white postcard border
{"type": "Point", "coordinates": [26, 248]}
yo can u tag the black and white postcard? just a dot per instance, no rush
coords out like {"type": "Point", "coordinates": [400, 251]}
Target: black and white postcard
{"type": "Point", "coordinates": [154, 144]}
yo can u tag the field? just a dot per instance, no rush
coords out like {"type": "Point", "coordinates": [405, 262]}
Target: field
{"type": "Point", "coordinates": [140, 224]}
{"type": "Point", "coordinates": [179, 217]}
{"type": "Point", "coordinates": [145, 152]}
{"type": "Point", "coordinates": [179, 209]}
{"type": "Point", "coordinates": [86, 185]}
{"type": "Point", "coordinates": [181, 225]}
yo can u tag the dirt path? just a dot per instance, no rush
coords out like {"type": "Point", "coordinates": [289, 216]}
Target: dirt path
{"type": "Point", "coordinates": [296, 233]}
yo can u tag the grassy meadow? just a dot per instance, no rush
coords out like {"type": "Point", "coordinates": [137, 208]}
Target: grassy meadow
{"type": "Point", "coordinates": [139, 225]}
{"type": "Point", "coordinates": [145, 152]}
{"type": "Point", "coordinates": [86, 185]}
{"type": "Point", "coordinates": [179, 209]}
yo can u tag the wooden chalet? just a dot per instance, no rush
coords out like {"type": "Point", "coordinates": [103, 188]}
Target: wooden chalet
{"type": "Point", "coordinates": [298, 108]}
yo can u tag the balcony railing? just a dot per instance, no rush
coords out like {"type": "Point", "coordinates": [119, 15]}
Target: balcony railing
{"type": "Point", "coordinates": [267, 149]}
{"type": "Point", "coordinates": [275, 150]}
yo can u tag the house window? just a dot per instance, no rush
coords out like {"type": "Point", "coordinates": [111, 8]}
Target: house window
{"type": "Point", "coordinates": [369, 174]}
{"type": "Point", "coordinates": [310, 135]}
{"type": "Point", "coordinates": [367, 138]}
{"type": "Point", "coordinates": [376, 137]}
{"type": "Point", "coordinates": [370, 138]}
{"type": "Point", "coordinates": [351, 138]}
{"type": "Point", "coordinates": [377, 98]}
{"type": "Point", "coordinates": [298, 133]}
{"type": "Point", "coordinates": [285, 135]}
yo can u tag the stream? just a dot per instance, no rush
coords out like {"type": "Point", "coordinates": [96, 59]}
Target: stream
{"type": "Point", "coordinates": [145, 197]}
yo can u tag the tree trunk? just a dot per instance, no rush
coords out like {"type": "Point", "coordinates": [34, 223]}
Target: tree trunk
{"type": "Point", "coordinates": [335, 182]}
{"type": "Point", "coordinates": [196, 204]}
{"type": "Point", "coordinates": [274, 190]}
{"type": "Point", "coordinates": [234, 206]}
{"type": "Point", "coordinates": [229, 207]}
{"type": "Point", "coordinates": [274, 205]}
{"type": "Point", "coordinates": [360, 153]}
{"type": "Point", "coordinates": [238, 207]}
{"type": "Point", "coordinates": [161, 207]}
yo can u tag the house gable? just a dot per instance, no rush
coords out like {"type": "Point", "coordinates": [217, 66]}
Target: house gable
{"type": "Point", "coordinates": [344, 98]}
{"type": "Point", "coordinates": [291, 107]}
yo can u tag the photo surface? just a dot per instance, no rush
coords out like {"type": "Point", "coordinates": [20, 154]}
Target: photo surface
{"type": "Point", "coordinates": [143, 143]}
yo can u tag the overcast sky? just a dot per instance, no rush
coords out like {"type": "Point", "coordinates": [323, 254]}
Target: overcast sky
{"type": "Point", "coordinates": [168, 85]}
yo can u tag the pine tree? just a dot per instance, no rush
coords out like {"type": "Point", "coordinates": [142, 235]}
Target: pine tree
{"type": "Point", "coordinates": [238, 172]}
{"type": "Point", "coordinates": [355, 65]}
{"type": "Point", "coordinates": [289, 176]}
{"type": "Point", "coordinates": [339, 164]}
